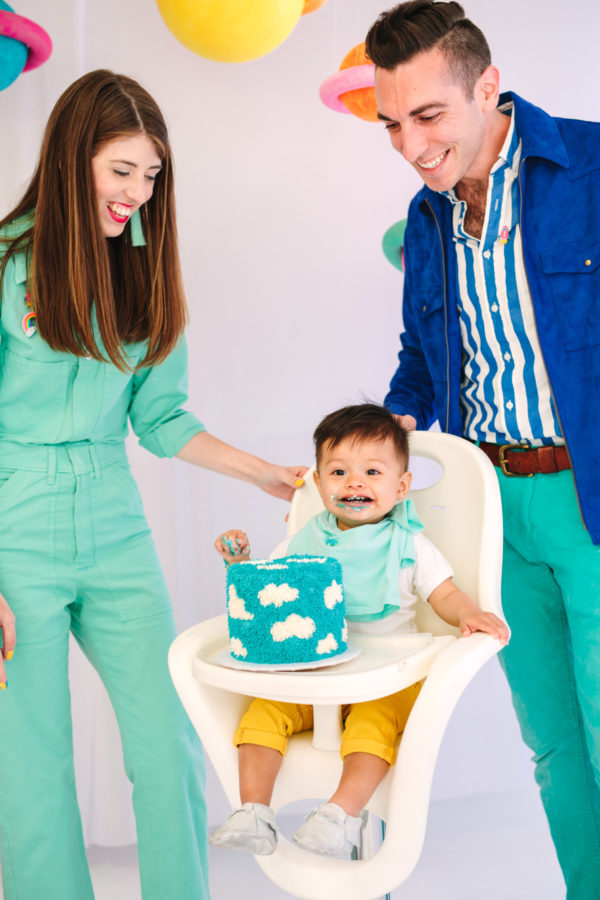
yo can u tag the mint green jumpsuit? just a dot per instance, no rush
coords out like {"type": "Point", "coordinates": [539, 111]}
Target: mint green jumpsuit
{"type": "Point", "coordinates": [76, 555]}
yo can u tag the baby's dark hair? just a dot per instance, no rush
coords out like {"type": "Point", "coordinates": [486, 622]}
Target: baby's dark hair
{"type": "Point", "coordinates": [365, 421]}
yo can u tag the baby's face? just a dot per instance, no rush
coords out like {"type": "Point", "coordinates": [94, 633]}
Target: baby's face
{"type": "Point", "coordinates": [361, 481]}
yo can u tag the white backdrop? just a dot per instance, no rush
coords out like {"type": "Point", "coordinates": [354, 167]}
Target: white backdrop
{"type": "Point", "coordinates": [294, 310]}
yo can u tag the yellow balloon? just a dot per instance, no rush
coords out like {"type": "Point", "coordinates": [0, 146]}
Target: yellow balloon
{"type": "Point", "coordinates": [231, 30]}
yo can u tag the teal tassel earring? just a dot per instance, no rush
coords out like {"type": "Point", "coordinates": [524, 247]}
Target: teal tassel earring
{"type": "Point", "coordinates": [136, 230]}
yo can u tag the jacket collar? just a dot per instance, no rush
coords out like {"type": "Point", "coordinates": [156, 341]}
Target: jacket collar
{"type": "Point", "coordinates": [13, 230]}
{"type": "Point", "coordinates": [537, 130]}
{"type": "Point", "coordinates": [20, 267]}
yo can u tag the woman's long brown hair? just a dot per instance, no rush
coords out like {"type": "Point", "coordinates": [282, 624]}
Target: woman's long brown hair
{"type": "Point", "coordinates": [75, 272]}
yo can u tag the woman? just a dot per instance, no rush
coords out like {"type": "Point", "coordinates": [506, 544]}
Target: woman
{"type": "Point", "coordinates": [91, 336]}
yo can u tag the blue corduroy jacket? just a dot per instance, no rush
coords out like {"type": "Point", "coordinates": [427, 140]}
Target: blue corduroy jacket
{"type": "Point", "coordinates": [559, 182]}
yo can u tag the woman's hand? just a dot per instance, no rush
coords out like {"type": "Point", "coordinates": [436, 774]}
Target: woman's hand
{"type": "Point", "coordinates": [233, 546]}
{"type": "Point", "coordinates": [281, 481]}
{"type": "Point", "coordinates": [7, 627]}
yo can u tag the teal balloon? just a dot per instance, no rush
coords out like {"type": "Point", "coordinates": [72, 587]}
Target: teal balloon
{"type": "Point", "coordinates": [13, 55]}
{"type": "Point", "coordinates": [393, 243]}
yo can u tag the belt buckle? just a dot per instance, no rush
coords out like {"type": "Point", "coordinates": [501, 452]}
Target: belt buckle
{"type": "Point", "coordinates": [502, 450]}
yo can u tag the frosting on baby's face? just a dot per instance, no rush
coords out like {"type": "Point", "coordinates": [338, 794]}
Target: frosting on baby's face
{"type": "Point", "coordinates": [360, 481]}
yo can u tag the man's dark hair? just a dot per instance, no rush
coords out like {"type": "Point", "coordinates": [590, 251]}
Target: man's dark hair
{"type": "Point", "coordinates": [419, 25]}
{"type": "Point", "coordinates": [366, 421]}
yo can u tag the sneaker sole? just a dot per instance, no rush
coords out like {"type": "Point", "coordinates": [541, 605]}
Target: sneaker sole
{"type": "Point", "coordinates": [241, 841]}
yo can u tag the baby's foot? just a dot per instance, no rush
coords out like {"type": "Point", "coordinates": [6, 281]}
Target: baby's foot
{"type": "Point", "coordinates": [329, 831]}
{"type": "Point", "coordinates": [251, 827]}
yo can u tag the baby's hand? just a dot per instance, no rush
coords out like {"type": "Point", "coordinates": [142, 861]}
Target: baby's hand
{"type": "Point", "coordinates": [233, 546]}
{"type": "Point", "coordinates": [485, 621]}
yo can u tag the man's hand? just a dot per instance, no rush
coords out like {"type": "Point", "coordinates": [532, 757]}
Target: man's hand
{"type": "Point", "coordinates": [408, 422]}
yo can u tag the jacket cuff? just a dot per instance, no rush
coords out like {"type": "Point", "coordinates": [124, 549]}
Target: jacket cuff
{"type": "Point", "coordinates": [168, 438]}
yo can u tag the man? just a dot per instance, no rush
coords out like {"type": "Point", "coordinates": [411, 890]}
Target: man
{"type": "Point", "coordinates": [501, 313]}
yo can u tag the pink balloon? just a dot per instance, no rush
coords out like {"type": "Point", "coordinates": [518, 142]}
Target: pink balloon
{"type": "Point", "coordinates": [37, 40]}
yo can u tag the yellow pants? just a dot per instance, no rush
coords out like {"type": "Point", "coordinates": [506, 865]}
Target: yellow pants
{"type": "Point", "coordinates": [369, 727]}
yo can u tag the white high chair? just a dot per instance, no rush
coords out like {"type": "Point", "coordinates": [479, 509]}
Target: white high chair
{"type": "Point", "coordinates": [462, 516]}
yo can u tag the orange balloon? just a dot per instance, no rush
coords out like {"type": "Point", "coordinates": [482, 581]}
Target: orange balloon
{"type": "Point", "coordinates": [361, 102]}
{"type": "Point", "coordinates": [311, 5]}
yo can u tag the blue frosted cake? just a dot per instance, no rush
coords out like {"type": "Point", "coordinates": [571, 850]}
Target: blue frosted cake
{"type": "Point", "coordinates": [288, 610]}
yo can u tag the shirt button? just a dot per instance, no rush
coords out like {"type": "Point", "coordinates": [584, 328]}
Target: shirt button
{"type": "Point", "coordinates": [510, 404]}
{"type": "Point", "coordinates": [507, 357]}
{"type": "Point", "coordinates": [494, 307]}
{"type": "Point", "coordinates": [487, 254]}
{"type": "Point", "coordinates": [588, 262]}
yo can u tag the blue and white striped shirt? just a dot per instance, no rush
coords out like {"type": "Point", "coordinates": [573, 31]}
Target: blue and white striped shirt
{"type": "Point", "coordinates": [505, 392]}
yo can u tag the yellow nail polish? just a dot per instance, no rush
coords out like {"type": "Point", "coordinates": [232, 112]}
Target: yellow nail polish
{"type": "Point", "coordinates": [299, 482]}
{"type": "Point", "coordinates": [3, 685]}
{"type": "Point", "coordinates": [10, 653]}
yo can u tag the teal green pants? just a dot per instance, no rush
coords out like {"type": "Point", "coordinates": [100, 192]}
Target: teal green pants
{"type": "Point", "coordinates": [551, 599]}
{"type": "Point", "coordinates": [76, 556]}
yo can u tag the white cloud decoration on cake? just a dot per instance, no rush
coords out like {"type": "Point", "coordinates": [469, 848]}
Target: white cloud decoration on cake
{"type": "Point", "coordinates": [327, 644]}
{"type": "Point", "coordinates": [237, 606]}
{"type": "Point", "coordinates": [333, 594]}
{"type": "Point", "coordinates": [277, 594]}
{"type": "Point", "coordinates": [237, 648]}
{"type": "Point", "coordinates": [293, 626]}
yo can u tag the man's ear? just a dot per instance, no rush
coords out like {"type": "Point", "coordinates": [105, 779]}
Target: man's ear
{"type": "Point", "coordinates": [487, 88]}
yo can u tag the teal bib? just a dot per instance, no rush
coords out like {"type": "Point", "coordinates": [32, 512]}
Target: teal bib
{"type": "Point", "coordinates": [371, 557]}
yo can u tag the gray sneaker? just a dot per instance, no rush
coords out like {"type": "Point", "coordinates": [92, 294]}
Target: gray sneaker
{"type": "Point", "coordinates": [329, 831]}
{"type": "Point", "coordinates": [251, 827]}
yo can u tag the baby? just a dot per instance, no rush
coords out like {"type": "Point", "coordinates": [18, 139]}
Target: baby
{"type": "Point", "coordinates": [371, 527]}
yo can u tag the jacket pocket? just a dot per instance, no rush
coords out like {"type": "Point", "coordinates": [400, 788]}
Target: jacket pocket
{"type": "Point", "coordinates": [573, 272]}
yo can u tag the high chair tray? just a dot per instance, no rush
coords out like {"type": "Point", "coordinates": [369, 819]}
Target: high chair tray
{"type": "Point", "coordinates": [404, 658]}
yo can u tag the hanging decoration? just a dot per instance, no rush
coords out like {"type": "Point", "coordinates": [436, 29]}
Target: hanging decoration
{"type": "Point", "coordinates": [393, 244]}
{"type": "Point", "coordinates": [23, 45]}
{"type": "Point", "coordinates": [233, 30]}
{"type": "Point", "coordinates": [352, 90]}
{"type": "Point", "coordinates": [312, 5]}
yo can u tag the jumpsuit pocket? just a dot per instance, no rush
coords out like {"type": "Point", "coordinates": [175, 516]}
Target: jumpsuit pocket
{"type": "Point", "coordinates": [125, 549]}
{"type": "Point", "coordinates": [10, 485]}
{"type": "Point", "coordinates": [574, 278]}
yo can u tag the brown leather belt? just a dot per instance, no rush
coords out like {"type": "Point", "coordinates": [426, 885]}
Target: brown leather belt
{"type": "Point", "coordinates": [518, 459]}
